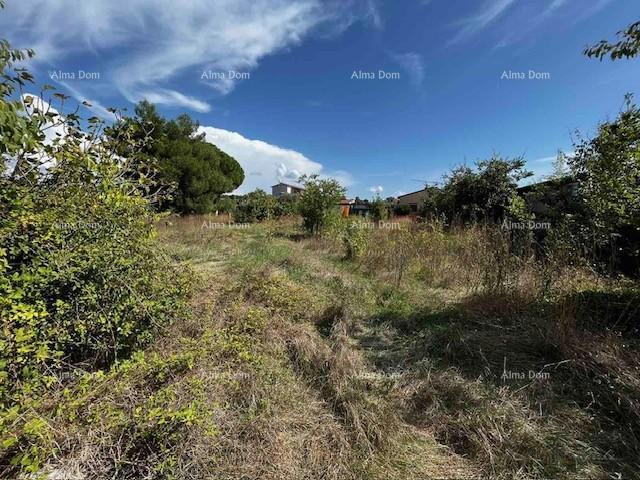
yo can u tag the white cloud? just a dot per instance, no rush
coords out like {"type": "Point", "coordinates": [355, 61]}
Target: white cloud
{"type": "Point", "coordinates": [491, 10]}
{"type": "Point", "coordinates": [265, 164]}
{"type": "Point", "coordinates": [157, 41]}
{"type": "Point", "coordinates": [54, 129]}
{"type": "Point", "coordinates": [377, 190]}
{"type": "Point", "coordinates": [413, 64]}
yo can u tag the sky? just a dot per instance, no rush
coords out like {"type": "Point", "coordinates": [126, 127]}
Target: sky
{"type": "Point", "coordinates": [383, 95]}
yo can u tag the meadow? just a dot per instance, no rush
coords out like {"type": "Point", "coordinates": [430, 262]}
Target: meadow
{"type": "Point", "coordinates": [426, 354]}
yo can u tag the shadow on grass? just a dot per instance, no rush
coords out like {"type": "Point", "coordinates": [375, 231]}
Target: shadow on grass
{"type": "Point", "coordinates": [513, 351]}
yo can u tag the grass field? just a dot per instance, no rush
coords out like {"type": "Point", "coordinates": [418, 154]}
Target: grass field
{"type": "Point", "coordinates": [299, 363]}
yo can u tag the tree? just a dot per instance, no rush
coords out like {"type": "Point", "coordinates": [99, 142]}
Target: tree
{"type": "Point", "coordinates": [199, 171]}
{"type": "Point", "coordinates": [608, 170]}
{"type": "Point", "coordinates": [481, 194]}
{"type": "Point", "coordinates": [318, 201]}
{"type": "Point", "coordinates": [627, 47]}
{"type": "Point", "coordinates": [255, 206]}
{"type": "Point", "coordinates": [81, 276]}
{"type": "Point", "coordinates": [379, 209]}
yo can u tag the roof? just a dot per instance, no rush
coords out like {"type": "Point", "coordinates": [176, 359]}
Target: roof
{"type": "Point", "coordinates": [411, 193]}
{"type": "Point", "coordinates": [549, 182]}
{"type": "Point", "coordinates": [293, 185]}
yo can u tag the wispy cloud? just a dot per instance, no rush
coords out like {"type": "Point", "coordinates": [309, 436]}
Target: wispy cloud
{"type": "Point", "coordinates": [95, 106]}
{"type": "Point", "coordinates": [490, 12]}
{"type": "Point", "coordinates": [413, 65]}
{"type": "Point", "coordinates": [554, 5]}
{"type": "Point", "coordinates": [376, 190]}
{"type": "Point", "coordinates": [593, 8]}
{"type": "Point", "coordinates": [160, 43]}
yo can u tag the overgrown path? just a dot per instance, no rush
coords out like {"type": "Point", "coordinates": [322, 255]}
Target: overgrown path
{"type": "Point", "coordinates": [326, 315]}
{"type": "Point", "coordinates": [299, 364]}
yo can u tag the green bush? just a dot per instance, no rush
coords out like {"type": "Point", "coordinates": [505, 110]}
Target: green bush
{"type": "Point", "coordinates": [258, 206]}
{"type": "Point", "coordinates": [401, 210]}
{"type": "Point", "coordinates": [81, 278]}
{"type": "Point", "coordinates": [255, 207]}
{"type": "Point", "coordinates": [379, 210]}
{"type": "Point", "coordinates": [319, 202]}
{"type": "Point", "coordinates": [286, 206]}
{"type": "Point", "coordinates": [355, 238]}
{"type": "Point", "coordinates": [225, 205]}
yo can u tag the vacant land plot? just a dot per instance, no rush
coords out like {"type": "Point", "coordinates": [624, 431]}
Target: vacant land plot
{"type": "Point", "coordinates": [404, 361]}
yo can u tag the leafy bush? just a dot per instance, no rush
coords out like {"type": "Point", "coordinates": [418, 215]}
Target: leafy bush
{"type": "Point", "coordinates": [225, 205]}
{"type": "Point", "coordinates": [318, 201]}
{"type": "Point", "coordinates": [483, 194]}
{"type": "Point", "coordinates": [379, 210]}
{"type": "Point", "coordinates": [81, 277]}
{"type": "Point", "coordinates": [286, 206]}
{"type": "Point", "coordinates": [401, 210]}
{"type": "Point", "coordinates": [255, 207]}
{"type": "Point", "coordinates": [355, 238]}
{"type": "Point", "coordinates": [608, 170]}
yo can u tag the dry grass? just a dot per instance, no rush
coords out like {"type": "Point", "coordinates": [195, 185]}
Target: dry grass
{"type": "Point", "coordinates": [298, 364]}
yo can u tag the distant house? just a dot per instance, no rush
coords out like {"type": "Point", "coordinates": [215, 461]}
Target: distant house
{"type": "Point", "coordinates": [345, 207]}
{"type": "Point", "coordinates": [286, 189]}
{"type": "Point", "coordinates": [414, 199]}
{"type": "Point", "coordinates": [360, 207]}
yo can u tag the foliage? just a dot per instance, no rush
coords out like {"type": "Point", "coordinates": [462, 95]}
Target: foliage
{"type": "Point", "coordinates": [402, 210]}
{"type": "Point", "coordinates": [287, 205]}
{"type": "Point", "coordinates": [627, 47]}
{"type": "Point", "coordinates": [225, 205]}
{"type": "Point", "coordinates": [608, 170]}
{"type": "Point", "coordinates": [318, 201]}
{"type": "Point", "coordinates": [355, 237]}
{"type": "Point", "coordinates": [379, 210]}
{"type": "Point", "coordinates": [255, 206]}
{"type": "Point", "coordinates": [258, 206]}
{"type": "Point", "coordinates": [483, 194]}
{"type": "Point", "coordinates": [81, 277]}
{"type": "Point", "coordinates": [199, 171]}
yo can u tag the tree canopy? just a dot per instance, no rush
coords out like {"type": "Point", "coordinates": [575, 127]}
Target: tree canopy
{"type": "Point", "coordinates": [199, 171]}
{"type": "Point", "coordinates": [627, 47]}
{"type": "Point", "coordinates": [480, 194]}
{"type": "Point", "coordinates": [319, 199]}
{"type": "Point", "coordinates": [608, 168]}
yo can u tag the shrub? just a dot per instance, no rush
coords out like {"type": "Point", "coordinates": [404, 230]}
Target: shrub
{"type": "Point", "coordinates": [225, 205]}
{"type": "Point", "coordinates": [608, 170]}
{"type": "Point", "coordinates": [319, 200]}
{"type": "Point", "coordinates": [286, 206]}
{"type": "Point", "coordinates": [255, 207]}
{"type": "Point", "coordinates": [379, 210]}
{"type": "Point", "coordinates": [402, 210]}
{"type": "Point", "coordinates": [81, 277]}
{"type": "Point", "coordinates": [355, 238]}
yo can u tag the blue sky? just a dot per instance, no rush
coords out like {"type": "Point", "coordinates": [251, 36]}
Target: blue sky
{"type": "Point", "coordinates": [299, 108]}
